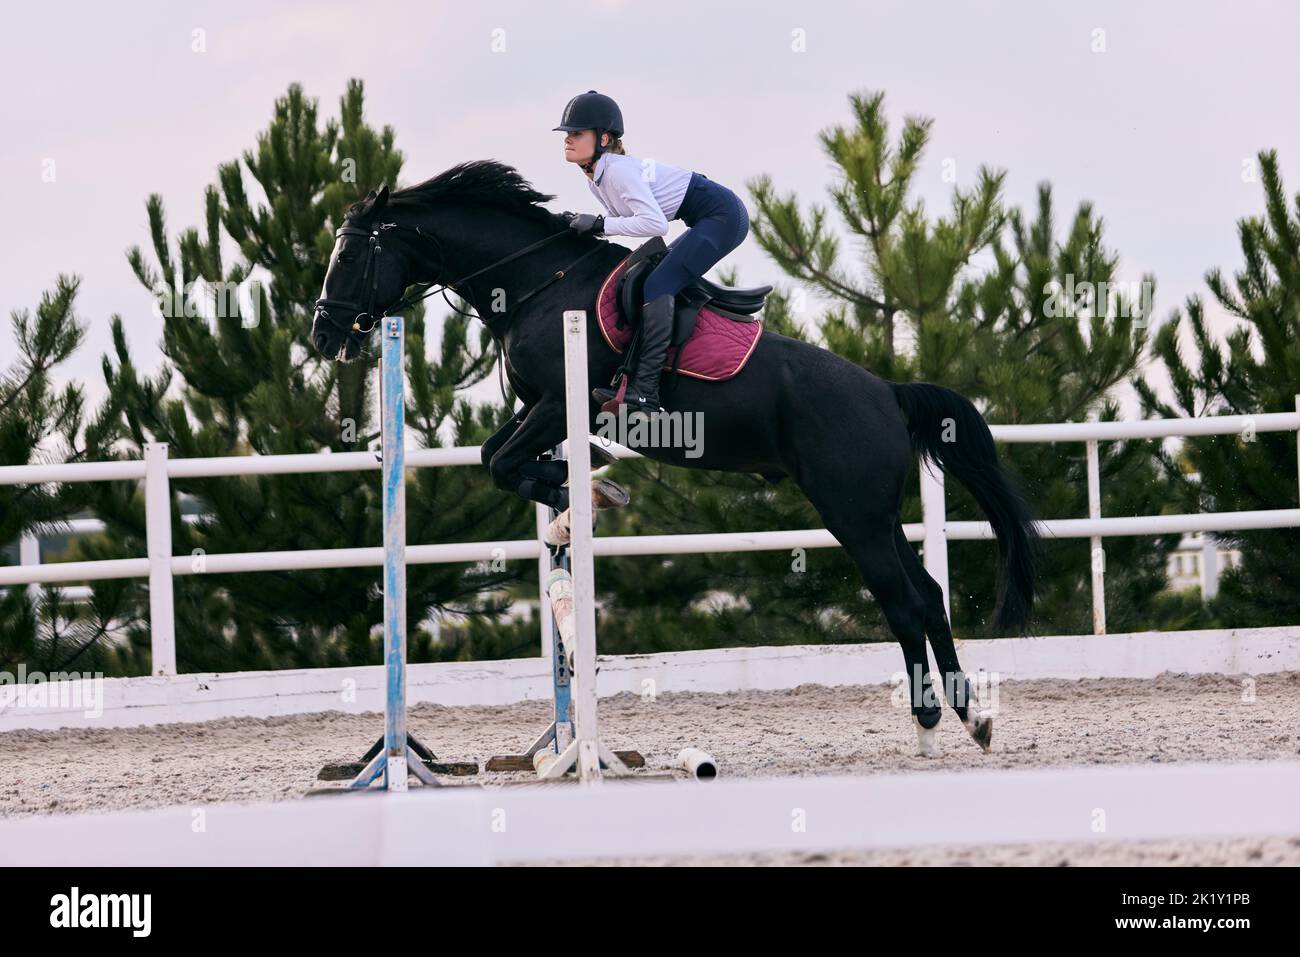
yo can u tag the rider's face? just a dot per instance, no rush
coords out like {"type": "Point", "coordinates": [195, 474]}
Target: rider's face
{"type": "Point", "coordinates": [579, 147]}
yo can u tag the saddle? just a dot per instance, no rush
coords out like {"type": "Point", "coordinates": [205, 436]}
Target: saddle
{"type": "Point", "coordinates": [715, 328]}
{"type": "Point", "coordinates": [738, 305]}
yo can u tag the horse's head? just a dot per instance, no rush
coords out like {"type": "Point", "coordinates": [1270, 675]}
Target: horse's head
{"type": "Point", "coordinates": [471, 221]}
{"type": "Point", "coordinates": [365, 277]}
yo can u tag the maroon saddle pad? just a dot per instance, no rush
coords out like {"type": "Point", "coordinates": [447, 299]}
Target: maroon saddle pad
{"type": "Point", "coordinates": [716, 351]}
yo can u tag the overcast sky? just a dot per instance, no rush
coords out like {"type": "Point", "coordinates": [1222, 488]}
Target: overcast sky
{"type": "Point", "coordinates": [1154, 130]}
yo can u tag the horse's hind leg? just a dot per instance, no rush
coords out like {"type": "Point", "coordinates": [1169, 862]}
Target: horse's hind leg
{"type": "Point", "coordinates": [956, 687]}
{"type": "Point", "coordinates": [867, 534]}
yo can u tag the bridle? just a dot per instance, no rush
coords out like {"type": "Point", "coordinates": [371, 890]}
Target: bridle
{"type": "Point", "coordinates": [371, 274]}
{"type": "Point", "coordinates": [370, 279]}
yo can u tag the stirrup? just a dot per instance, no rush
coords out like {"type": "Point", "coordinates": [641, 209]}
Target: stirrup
{"type": "Point", "coordinates": [635, 405]}
{"type": "Point", "coordinates": [642, 405]}
{"type": "Point", "coordinates": [611, 400]}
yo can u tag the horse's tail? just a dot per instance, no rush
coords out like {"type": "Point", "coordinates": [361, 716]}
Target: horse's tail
{"type": "Point", "coordinates": [947, 429]}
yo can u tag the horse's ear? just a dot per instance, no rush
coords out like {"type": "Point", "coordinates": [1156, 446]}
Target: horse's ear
{"type": "Point", "coordinates": [381, 200]}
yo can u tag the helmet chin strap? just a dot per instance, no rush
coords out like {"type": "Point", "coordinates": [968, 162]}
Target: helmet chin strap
{"type": "Point", "coordinates": [596, 153]}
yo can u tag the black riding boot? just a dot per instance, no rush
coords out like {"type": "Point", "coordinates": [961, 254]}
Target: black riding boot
{"type": "Point", "coordinates": [656, 332]}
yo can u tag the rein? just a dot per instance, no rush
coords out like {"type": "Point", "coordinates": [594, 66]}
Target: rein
{"type": "Point", "coordinates": [371, 273]}
{"type": "Point", "coordinates": [429, 289]}
{"type": "Point", "coordinates": [375, 248]}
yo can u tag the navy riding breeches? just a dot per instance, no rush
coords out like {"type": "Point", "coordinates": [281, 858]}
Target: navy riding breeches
{"type": "Point", "coordinates": [718, 224]}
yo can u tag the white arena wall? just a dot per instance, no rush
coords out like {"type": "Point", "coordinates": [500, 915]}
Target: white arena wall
{"type": "Point", "coordinates": [143, 701]}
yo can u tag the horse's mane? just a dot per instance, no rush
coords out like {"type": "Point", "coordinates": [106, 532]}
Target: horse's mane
{"type": "Point", "coordinates": [476, 183]}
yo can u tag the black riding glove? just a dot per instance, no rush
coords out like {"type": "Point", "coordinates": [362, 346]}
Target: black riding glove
{"type": "Point", "coordinates": [584, 223]}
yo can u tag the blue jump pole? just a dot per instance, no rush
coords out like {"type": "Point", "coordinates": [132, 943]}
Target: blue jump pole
{"type": "Point", "coordinates": [393, 424]}
{"type": "Point", "coordinates": [394, 759]}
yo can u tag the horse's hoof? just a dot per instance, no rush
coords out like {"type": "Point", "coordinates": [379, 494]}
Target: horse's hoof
{"type": "Point", "coordinates": [608, 494]}
{"type": "Point", "coordinates": [980, 727]}
{"type": "Point", "coordinates": [600, 456]}
{"type": "Point", "coordinates": [926, 744]}
{"type": "Point", "coordinates": [560, 532]}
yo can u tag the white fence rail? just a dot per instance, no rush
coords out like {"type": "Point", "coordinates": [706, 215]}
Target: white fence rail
{"type": "Point", "coordinates": [160, 566]}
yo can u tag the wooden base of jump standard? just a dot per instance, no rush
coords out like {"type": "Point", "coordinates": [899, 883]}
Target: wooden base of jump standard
{"type": "Point", "coordinates": [421, 762]}
{"type": "Point", "coordinates": [524, 762]}
{"type": "Point", "coordinates": [528, 761]}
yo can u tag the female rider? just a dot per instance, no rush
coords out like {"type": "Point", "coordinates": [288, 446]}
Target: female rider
{"type": "Point", "coordinates": [640, 198]}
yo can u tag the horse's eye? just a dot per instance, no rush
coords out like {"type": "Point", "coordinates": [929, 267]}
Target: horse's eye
{"type": "Point", "coordinates": [345, 259]}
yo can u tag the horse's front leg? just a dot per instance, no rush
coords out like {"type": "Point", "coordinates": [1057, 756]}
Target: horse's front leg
{"type": "Point", "coordinates": [511, 454]}
{"type": "Point", "coordinates": [499, 437]}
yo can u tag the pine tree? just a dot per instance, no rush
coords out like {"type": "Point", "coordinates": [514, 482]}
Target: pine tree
{"type": "Point", "coordinates": [39, 423]}
{"type": "Point", "coordinates": [1258, 372]}
{"type": "Point", "coordinates": [235, 383]}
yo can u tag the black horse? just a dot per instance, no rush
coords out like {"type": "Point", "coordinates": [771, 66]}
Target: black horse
{"type": "Point", "coordinates": [846, 437]}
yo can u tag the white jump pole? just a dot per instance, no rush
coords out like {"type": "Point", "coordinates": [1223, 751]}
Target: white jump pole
{"type": "Point", "coordinates": [586, 752]}
{"type": "Point", "coordinates": [572, 740]}
{"type": "Point", "coordinates": [577, 404]}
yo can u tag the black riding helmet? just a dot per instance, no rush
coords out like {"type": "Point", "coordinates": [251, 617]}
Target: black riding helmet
{"type": "Point", "coordinates": [592, 111]}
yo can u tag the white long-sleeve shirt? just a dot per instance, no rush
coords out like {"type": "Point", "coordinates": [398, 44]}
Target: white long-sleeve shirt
{"type": "Point", "coordinates": [639, 196]}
